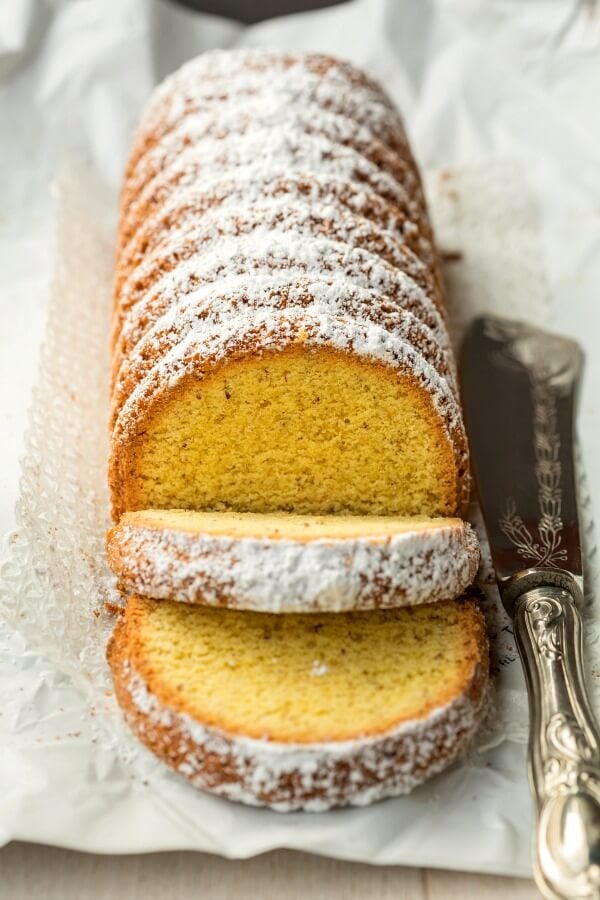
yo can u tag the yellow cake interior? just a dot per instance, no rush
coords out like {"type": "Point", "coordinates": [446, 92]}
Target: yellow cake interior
{"type": "Point", "coordinates": [283, 525]}
{"type": "Point", "coordinates": [307, 432]}
{"type": "Point", "coordinates": [308, 677]}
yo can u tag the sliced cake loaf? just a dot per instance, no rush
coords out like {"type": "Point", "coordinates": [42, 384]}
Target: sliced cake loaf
{"type": "Point", "coordinates": [287, 437]}
{"type": "Point", "coordinates": [272, 367]}
{"type": "Point", "coordinates": [287, 563]}
{"type": "Point", "coordinates": [302, 711]}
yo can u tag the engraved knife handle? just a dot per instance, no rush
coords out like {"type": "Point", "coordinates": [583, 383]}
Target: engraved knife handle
{"type": "Point", "coordinates": [564, 744]}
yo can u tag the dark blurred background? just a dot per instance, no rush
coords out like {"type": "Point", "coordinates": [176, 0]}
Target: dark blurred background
{"type": "Point", "coordinates": [255, 10]}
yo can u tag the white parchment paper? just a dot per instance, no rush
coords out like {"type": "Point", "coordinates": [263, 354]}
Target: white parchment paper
{"type": "Point", "coordinates": [499, 108]}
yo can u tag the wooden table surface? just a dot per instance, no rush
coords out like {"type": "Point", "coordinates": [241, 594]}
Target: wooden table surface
{"type": "Point", "coordinates": [29, 872]}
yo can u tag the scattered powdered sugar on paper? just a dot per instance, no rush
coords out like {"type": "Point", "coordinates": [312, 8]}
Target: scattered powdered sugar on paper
{"type": "Point", "coordinates": [487, 227]}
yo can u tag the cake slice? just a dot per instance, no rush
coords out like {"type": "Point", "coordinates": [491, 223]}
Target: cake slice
{"type": "Point", "coordinates": [291, 411]}
{"type": "Point", "coordinates": [288, 563]}
{"type": "Point", "coordinates": [302, 711]}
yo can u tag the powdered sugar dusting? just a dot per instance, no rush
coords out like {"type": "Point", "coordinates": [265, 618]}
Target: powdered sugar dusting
{"type": "Point", "coordinates": [225, 76]}
{"type": "Point", "coordinates": [319, 669]}
{"type": "Point", "coordinates": [182, 237]}
{"type": "Point", "coordinates": [249, 187]}
{"type": "Point", "coordinates": [272, 153]}
{"type": "Point", "coordinates": [331, 575]}
{"type": "Point", "coordinates": [277, 248]}
{"type": "Point", "coordinates": [271, 111]}
{"type": "Point", "coordinates": [313, 777]}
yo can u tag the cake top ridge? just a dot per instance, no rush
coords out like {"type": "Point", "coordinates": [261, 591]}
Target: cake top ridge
{"type": "Point", "coordinates": [277, 154]}
{"type": "Point", "coordinates": [296, 289]}
{"type": "Point", "coordinates": [187, 234]}
{"type": "Point", "coordinates": [274, 248]}
{"type": "Point", "coordinates": [252, 183]}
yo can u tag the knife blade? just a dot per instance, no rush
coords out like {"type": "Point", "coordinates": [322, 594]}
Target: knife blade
{"type": "Point", "coordinates": [520, 389]}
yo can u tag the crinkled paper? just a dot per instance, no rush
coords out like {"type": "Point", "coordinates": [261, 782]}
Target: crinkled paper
{"type": "Point", "coordinates": [511, 179]}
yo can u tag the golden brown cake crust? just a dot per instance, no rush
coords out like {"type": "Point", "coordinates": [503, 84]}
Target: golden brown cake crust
{"type": "Point", "coordinates": [177, 243]}
{"type": "Point", "coordinates": [334, 127]}
{"type": "Point", "coordinates": [308, 776]}
{"type": "Point", "coordinates": [299, 153]}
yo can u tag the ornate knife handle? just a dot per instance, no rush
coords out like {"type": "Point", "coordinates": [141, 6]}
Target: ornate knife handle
{"type": "Point", "coordinates": [564, 747]}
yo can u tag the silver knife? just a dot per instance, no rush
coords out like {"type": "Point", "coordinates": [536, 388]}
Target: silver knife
{"type": "Point", "coordinates": [520, 388]}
